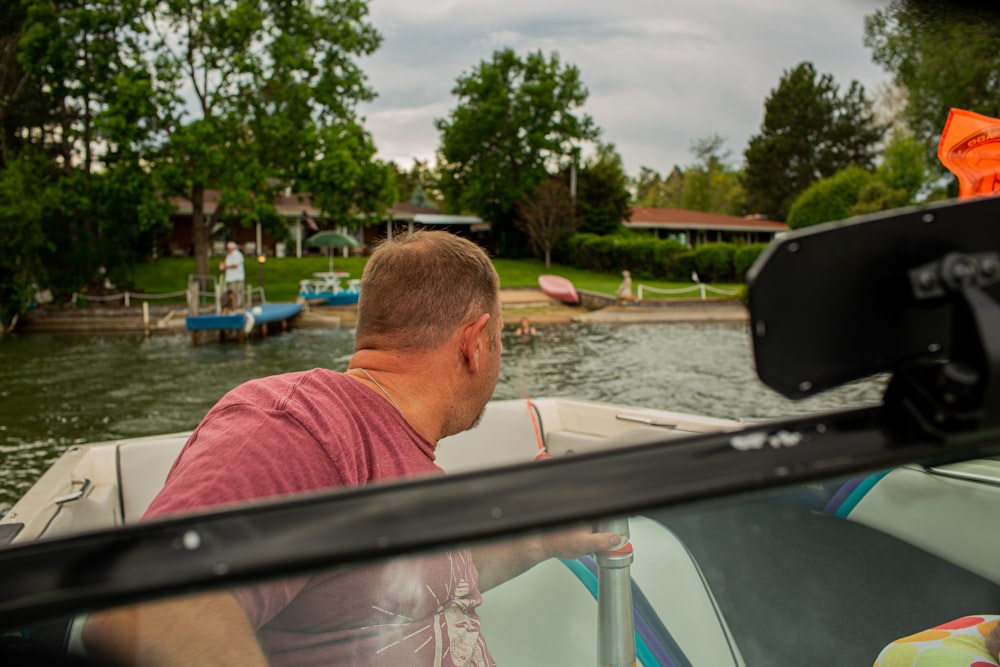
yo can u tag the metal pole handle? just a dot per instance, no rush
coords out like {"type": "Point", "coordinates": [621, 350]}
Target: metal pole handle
{"type": "Point", "coordinates": [615, 625]}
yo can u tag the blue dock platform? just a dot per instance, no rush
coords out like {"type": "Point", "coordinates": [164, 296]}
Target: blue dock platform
{"type": "Point", "coordinates": [244, 322]}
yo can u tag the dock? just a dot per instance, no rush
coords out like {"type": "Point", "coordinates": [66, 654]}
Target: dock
{"type": "Point", "coordinates": [243, 323]}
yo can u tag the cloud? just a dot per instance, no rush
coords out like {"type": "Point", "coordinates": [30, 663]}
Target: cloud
{"type": "Point", "coordinates": [661, 73]}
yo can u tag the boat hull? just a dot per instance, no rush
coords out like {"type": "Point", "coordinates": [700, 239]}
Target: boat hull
{"type": "Point", "coordinates": [558, 288]}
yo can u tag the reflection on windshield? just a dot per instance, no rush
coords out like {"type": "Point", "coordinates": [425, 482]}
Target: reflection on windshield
{"type": "Point", "coordinates": [842, 567]}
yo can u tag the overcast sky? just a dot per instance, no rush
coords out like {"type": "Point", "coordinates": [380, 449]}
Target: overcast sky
{"type": "Point", "coordinates": [661, 73]}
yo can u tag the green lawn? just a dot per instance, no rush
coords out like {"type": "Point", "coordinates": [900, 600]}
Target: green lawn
{"type": "Point", "coordinates": [281, 276]}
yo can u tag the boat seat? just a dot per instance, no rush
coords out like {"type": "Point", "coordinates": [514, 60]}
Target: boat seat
{"type": "Point", "coordinates": [774, 565]}
{"type": "Point", "coordinates": [561, 443]}
{"type": "Point", "coordinates": [505, 436]}
{"type": "Point", "coordinates": [143, 468]}
{"type": "Point", "coordinates": [95, 511]}
{"type": "Point", "coordinates": [547, 616]}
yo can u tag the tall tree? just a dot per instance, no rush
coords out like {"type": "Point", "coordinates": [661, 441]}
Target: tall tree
{"type": "Point", "coordinates": [652, 189]}
{"type": "Point", "coordinates": [77, 111]}
{"type": "Point", "coordinates": [418, 184]}
{"type": "Point", "coordinates": [944, 55]}
{"type": "Point", "coordinates": [905, 166]}
{"type": "Point", "coordinates": [273, 88]}
{"type": "Point", "coordinates": [810, 131]}
{"type": "Point", "coordinates": [515, 123]}
{"type": "Point", "coordinates": [602, 199]}
{"type": "Point", "coordinates": [711, 184]}
{"type": "Point", "coordinates": [546, 215]}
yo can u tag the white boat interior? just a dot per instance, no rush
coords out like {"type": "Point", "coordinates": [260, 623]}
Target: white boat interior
{"type": "Point", "coordinates": [707, 575]}
{"type": "Point", "coordinates": [108, 484]}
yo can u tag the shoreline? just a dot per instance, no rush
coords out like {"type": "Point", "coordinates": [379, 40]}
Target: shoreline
{"type": "Point", "coordinates": [515, 302]}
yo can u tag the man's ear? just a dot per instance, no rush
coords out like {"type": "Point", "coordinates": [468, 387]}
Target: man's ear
{"type": "Point", "coordinates": [472, 342]}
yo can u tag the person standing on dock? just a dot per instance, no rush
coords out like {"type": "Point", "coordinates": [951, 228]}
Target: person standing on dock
{"type": "Point", "coordinates": [426, 362]}
{"type": "Point", "coordinates": [624, 292]}
{"type": "Point", "coordinates": [235, 273]}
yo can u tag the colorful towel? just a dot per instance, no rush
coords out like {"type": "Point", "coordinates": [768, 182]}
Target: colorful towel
{"type": "Point", "coordinates": [958, 643]}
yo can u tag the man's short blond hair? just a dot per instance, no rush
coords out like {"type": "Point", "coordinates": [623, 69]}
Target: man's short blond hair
{"type": "Point", "coordinates": [418, 288]}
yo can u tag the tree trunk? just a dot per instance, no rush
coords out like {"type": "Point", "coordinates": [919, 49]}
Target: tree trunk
{"type": "Point", "coordinates": [548, 258]}
{"type": "Point", "coordinates": [200, 232]}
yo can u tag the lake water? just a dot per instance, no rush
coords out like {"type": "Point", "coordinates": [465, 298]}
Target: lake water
{"type": "Point", "coordinates": [59, 390]}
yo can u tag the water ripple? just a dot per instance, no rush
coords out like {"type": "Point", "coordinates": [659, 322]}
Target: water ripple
{"type": "Point", "coordinates": [60, 390]}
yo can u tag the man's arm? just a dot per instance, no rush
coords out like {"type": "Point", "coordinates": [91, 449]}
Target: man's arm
{"type": "Point", "coordinates": [499, 562]}
{"type": "Point", "coordinates": [209, 629]}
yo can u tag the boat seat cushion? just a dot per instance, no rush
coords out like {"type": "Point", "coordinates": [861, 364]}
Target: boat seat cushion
{"type": "Point", "coordinates": [774, 564]}
{"type": "Point", "coordinates": [143, 467]}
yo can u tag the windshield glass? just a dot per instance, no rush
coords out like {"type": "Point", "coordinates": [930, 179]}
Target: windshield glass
{"type": "Point", "coordinates": [873, 558]}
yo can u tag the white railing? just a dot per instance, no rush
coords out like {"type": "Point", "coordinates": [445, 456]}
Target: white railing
{"type": "Point", "coordinates": [124, 297]}
{"type": "Point", "coordinates": [251, 290]}
{"type": "Point", "coordinates": [195, 296]}
{"type": "Point", "coordinates": [700, 287]}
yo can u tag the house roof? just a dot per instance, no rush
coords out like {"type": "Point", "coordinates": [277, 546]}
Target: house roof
{"type": "Point", "coordinates": [286, 205]}
{"type": "Point", "coordinates": [644, 217]}
{"type": "Point", "coordinates": [405, 211]}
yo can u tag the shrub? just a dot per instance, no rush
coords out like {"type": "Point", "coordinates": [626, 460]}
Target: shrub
{"type": "Point", "coordinates": [644, 256]}
{"type": "Point", "coordinates": [682, 266]}
{"type": "Point", "coordinates": [744, 258]}
{"type": "Point", "coordinates": [714, 262]}
{"type": "Point", "coordinates": [829, 199]}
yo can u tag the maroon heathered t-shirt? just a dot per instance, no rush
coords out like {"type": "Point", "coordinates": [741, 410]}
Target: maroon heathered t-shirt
{"type": "Point", "coordinates": [314, 430]}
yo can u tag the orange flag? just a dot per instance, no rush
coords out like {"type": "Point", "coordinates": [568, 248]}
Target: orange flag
{"type": "Point", "coordinates": [970, 149]}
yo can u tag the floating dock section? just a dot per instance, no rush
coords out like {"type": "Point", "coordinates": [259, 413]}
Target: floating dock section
{"type": "Point", "coordinates": [245, 322]}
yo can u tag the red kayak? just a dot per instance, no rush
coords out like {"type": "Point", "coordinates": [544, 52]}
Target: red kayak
{"type": "Point", "coordinates": [558, 288]}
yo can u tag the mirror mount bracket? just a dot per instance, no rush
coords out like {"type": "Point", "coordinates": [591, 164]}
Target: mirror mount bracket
{"type": "Point", "coordinates": [946, 395]}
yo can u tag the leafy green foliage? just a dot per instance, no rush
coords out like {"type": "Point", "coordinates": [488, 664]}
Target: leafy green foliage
{"type": "Point", "coordinates": [905, 166]}
{"type": "Point", "coordinates": [652, 258]}
{"type": "Point", "coordinates": [418, 184]}
{"type": "Point", "coordinates": [710, 184]}
{"type": "Point", "coordinates": [276, 86]}
{"type": "Point", "coordinates": [602, 192]}
{"type": "Point", "coordinates": [945, 55]}
{"type": "Point", "coordinates": [25, 199]}
{"type": "Point", "coordinates": [346, 180]}
{"type": "Point", "coordinates": [899, 181]}
{"type": "Point", "coordinates": [831, 198]}
{"type": "Point", "coordinates": [93, 123]}
{"type": "Point", "coordinates": [714, 262]}
{"type": "Point", "coordinates": [77, 111]}
{"type": "Point", "coordinates": [651, 189]}
{"type": "Point", "coordinates": [810, 131]}
{"type": "Point", "coordinates": [514, 124]}
{"type": "Point", "coordinates": [745, 256]}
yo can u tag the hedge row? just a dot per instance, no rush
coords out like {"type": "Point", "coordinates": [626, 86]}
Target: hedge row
{"type": "Point", "coordinates": [659, 259]}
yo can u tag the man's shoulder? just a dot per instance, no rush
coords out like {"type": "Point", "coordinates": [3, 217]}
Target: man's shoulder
{"type": "Point", "coordinates": [310, 380]}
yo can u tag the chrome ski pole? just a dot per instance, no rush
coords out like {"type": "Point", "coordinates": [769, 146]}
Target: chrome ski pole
{"type": "Point", "coordinates": [615, 625]}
